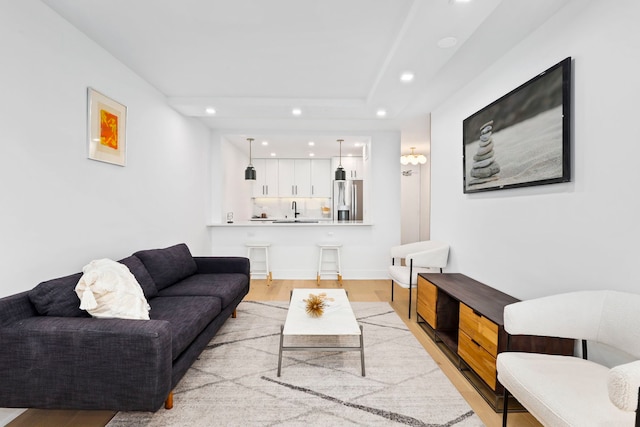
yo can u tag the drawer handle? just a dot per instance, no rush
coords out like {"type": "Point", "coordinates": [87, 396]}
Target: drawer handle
{"type": "Point", "coordinates": [476, 313]}
{"type": "Point", "coordinates": [475, 342]}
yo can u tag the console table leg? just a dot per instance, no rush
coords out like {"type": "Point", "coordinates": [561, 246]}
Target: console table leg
{"type": "Point", "coordinates": [362, 349]}
{"type": "Point", "coordinates": [280, 350]}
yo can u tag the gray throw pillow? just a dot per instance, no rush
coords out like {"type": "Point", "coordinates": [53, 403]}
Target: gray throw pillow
{"type": "Point", "coordinates": [169, 265]}
{"type": "Point", "coordinates": [57, 297]}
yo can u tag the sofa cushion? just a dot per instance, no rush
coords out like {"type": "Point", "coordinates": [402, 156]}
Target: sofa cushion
{"type": "Point", "coordinates": [57, 297]}
{"type": "Point", "coordinates": [226, 286]}
{"type": "Point", "coordinates": [137, 268]}
{"type": "Point", "coordinates": [169, 265]}
{"type": "Point", "coordinates": [187, 317]}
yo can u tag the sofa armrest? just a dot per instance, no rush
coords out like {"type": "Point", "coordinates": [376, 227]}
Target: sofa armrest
{"type": "Point", "coordinates": [623, 383]}
{"type": "Point", "coordinates": [215, 265]}
{"type": "Point", "coordinates": [85, 363]}
{"type": "Point", "coordinates": [15, 307]}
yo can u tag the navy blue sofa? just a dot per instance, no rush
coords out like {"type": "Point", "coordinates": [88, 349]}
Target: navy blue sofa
{"type": "Point", "coordinates": [54, 355]}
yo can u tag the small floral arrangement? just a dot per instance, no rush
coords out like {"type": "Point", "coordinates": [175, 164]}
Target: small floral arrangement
{"type": "Point", "coordinates": [316, 304]}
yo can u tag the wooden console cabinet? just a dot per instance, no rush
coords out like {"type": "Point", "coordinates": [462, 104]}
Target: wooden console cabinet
{"type": "Point", "coordinates": [465, 318]}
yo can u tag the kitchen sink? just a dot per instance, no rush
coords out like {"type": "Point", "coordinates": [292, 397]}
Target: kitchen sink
{"type": "Point", "coordinates": [295, 221]}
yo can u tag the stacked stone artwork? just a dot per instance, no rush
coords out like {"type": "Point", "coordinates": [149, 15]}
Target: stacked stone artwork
{"type": "Point", "coordinates": [484, 166]}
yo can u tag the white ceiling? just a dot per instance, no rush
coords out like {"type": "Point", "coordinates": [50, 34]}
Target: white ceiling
{"type": "Point", "coordinates": [339, 61]}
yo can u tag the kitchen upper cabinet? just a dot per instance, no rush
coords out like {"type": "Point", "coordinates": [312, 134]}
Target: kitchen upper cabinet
{"type": "Point", "coordinates": [266, 184]}
{"type": "Point", "coordinates": [294, 176]}
{"type": "Point", "coordinates": [321, 178]}
{"type": "Point", "coordinates": [353, 166]}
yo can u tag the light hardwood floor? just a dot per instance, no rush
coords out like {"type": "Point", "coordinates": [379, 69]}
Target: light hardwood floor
{"type": "Point", "coordinates": [278, 290]}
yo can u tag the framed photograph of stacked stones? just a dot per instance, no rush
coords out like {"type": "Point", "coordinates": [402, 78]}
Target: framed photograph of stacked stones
{"type": "Point", "coordinates": [523, 138]}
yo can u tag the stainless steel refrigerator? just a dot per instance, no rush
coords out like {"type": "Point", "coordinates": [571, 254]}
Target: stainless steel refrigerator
{"type": "Point", "coordinates": [347, 200]}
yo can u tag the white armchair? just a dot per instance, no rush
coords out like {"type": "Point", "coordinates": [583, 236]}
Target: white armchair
{"type": "Point", "coordinates": [420, 257]}
{"type": "Point", "coordinates": [567, 390]}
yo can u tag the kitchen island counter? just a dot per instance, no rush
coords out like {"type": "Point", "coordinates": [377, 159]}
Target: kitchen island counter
{"type": "Point", "coordinates": [293, 250]}
{"type": "Point", "coordinates": [289, 223]}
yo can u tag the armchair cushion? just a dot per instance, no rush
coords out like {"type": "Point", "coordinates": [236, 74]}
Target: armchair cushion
{"type": "Point", "coordinates": [561, 390]}
{"type": "Point", "coordinates": [400, 274]}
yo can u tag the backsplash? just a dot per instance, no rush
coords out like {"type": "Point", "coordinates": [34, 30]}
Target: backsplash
{"type": "Point", "coordinates": [281, 207]}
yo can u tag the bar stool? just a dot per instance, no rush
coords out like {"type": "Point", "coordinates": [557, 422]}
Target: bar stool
{"type": "Point", "coordinates": [330, 247]}
{"type": "Point", "coordinates": [260, 246]}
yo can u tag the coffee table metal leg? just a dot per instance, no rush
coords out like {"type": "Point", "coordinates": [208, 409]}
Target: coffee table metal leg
{"type": "Point", "coordinates": [280, 351]}
{"type": "Point", "coordinates": [362, 349]}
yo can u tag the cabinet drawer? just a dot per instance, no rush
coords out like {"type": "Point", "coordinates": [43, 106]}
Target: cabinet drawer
{"type": "Point", "coordinates": [480, 329]}
{"type": "Point", "coordinates": [483, 363]}
{"type": "Point", "coordinates": [427, 301]}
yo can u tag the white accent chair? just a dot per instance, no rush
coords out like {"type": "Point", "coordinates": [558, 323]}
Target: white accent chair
{"type": "Point", "coordinates": [568, 390]}
{"type": "Point", "coordinates": [420, 257]}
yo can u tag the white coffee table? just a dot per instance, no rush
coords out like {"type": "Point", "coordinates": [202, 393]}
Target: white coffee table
{"type": "Point", "coordinates": [338, 319]}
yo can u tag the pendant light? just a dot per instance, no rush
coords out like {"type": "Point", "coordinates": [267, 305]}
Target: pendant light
{"type": "Point", "coordinates": [413, 158]}
{"type": "Point", "coordinates": [250, 172]}
{"type": "Point", "coordinates": [340, 174]}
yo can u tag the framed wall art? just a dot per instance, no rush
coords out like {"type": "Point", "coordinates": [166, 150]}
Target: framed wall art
{"type": "Point", "coordinates": [107, 122]}
{"type": "Point", "coordinates": [523, 138]}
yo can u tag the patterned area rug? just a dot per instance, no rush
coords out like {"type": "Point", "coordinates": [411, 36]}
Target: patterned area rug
{"type": "Point", "coordinates": [235, 382]}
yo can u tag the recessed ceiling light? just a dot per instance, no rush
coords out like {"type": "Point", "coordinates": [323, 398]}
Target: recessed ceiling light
{"type": "Point", "coordinates": [311, 154]}
{"type": "Point", "coordinates": [407, 77]}
{"type": "Point", "coordinates": [210, 110]}
{"type": "Point", "coordinates": [311, 143]}
{"type": "Point", "coordinates": [273, 154]}
{"type": "Point", "coordinates": [265, 142]}
{"type": "Point", "coordinates": [296, 111]}
{"type": "Point", "coordinates": [381, 113]}
{"type": "Point", "coordinates": [447, 42]}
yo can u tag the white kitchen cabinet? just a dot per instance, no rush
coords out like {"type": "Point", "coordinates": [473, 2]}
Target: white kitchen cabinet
{"type": "Point", "coordinates": [321, 178]}
{"type": "Point", "coordinates": [294, 178]}
{"type": "Point", "coordinates": [266, 184]}
{"type": "Point", "coordinates": [353, 166]}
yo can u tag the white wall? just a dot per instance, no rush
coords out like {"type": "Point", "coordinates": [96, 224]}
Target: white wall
{"type": "Point", "coordinates": [233, 192]}
{"type": "Point", "coordinates": [581, 235]}
{"type": "Point", "coordinates": [60, 210]}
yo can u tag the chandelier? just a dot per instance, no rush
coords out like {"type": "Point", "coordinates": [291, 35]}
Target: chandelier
{"type": "Point", "coordinates": [413, 158]}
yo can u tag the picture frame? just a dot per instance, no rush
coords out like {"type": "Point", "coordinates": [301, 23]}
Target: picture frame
{"type": "Point", "coordinates": [106, 124]}
{"type": "Point", "coordinates": [523, 138]}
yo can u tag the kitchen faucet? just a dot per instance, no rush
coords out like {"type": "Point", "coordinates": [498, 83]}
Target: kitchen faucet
{"type": "Point", "coordinates": [294, 206]}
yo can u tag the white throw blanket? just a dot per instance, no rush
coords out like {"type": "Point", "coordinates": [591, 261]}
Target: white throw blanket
{"type": "Point", "coordinates": [107, 289]}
